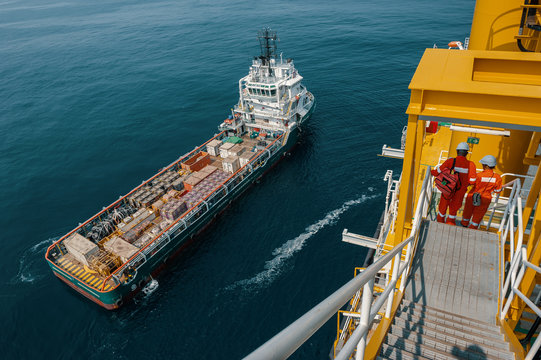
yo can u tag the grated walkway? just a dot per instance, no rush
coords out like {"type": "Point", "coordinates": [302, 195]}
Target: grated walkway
{"type": "Point", "coordinates": [456, 270]}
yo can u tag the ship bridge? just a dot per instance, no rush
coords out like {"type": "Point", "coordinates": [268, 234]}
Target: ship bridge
{"type": "Point", "coordinates": [439, 291]}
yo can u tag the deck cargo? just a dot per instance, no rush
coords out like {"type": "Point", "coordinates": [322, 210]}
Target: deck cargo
{"type": "Point", "coordinates": [231, 164]}
{"type": "Point", "coordinates": [81, 248]}
{"type": "Point", "coordinates": [121, 248]}
{"type": "Point", "coordinates": [224, 149]}
{"type": "Point", "coordinates": [236, 150]}
{"type": "Point", "coordinates": [192, 181]}
{"type": "Point", "coordinates": [246, 157]}
{"type": "Point", "coordinates": [173, 209]}
{"type": "Point", "coordinates": [213, 147]}
{"type": "Point", "coordinates": [197, 162]}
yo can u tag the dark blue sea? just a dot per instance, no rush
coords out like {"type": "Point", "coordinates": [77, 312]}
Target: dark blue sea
{"type": "Point", "coordinates": [97, 96]}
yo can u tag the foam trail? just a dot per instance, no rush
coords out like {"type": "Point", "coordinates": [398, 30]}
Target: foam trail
{"type": "Point", "coordinates": [274, 267]}
{"type": "Point", "coordinates": [150, 287]}
{"type": "Point", "coordinates": [28, 260]}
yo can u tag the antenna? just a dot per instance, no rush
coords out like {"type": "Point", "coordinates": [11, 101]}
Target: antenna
{"type": "Point", "coordinates": [267, 42]}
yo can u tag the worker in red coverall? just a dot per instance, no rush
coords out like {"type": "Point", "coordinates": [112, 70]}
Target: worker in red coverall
{"type": "Point", "coordinates": [466, 173]}
{"type": "Point", "coordinates": [486, 182]}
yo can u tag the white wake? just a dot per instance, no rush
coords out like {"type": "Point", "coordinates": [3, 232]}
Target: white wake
{"type": "Point", "coordinates": [28, 261]}
{"type": "Point", "coordinates": [150, 287]}
{"type": "Point", "coordinates": [275, 266]}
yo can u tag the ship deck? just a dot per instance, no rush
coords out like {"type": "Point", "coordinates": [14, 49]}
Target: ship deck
{"type": "Point", "coordinates": [456, 270]}
{"type": "Point", "coordinates": [87, 274]}
{"type": "Point", "coordinates": [82, 273]}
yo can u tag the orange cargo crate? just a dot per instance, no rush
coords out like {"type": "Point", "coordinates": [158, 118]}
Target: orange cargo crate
{"type": "Point", "coordinates": [198, 162]}
{"type": "Point", "coordinates": [191, 181]}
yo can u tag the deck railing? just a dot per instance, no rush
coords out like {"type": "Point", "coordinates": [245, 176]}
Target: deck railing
{"type": "Point", "coordinates": [501, 203]}
{"type": "Point", "coordinates": [291, 338]}
{"type": "Point", "coordinates": [518, 260]}
{"type": "Point", "coordinates": [391, 209]}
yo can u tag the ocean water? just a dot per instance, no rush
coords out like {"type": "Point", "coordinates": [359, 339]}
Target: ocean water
{"type": "Point", "coordinates": [96, 96]}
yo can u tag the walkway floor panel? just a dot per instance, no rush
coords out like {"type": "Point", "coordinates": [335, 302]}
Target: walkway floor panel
{"type": "Point", "coordinates": [455, 270]}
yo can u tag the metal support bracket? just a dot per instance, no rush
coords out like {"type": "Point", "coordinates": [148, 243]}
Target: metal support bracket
{"type": "Point", "coordinates": [387, 151]}
{"type": "Point", "coordinates": [361, 240]}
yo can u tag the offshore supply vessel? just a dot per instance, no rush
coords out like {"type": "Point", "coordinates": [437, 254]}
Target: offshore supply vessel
{"type": "Point", "coordinates": [115, 253]}
{"type": "Point", "coordinates": [437, 290]}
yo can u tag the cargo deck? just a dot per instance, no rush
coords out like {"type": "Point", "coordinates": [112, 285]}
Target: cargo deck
{"type": "Point", "coordinates": [198, 182]}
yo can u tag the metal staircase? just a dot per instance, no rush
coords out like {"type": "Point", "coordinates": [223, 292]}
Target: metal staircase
{"type": "Point", "coordinates": [444, 295]}
{"type": "Point", "coordinates": [422, 332]}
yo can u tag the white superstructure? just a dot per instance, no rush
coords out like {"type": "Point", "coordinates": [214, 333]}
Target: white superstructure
{"type": "Point", "coordinates": [271, 96]}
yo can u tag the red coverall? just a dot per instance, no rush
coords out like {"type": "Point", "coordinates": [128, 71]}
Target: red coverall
{"type": "Point", "coordinates": [466, 173]}
{"type": "Point", "coordinates": [487, 181]}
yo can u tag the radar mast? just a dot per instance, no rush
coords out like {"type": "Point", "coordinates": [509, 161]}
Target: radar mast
{"type": "Point", "coordinates": [267, 42]}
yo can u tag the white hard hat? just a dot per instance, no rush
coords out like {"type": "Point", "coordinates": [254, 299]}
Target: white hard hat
{"type": "Point", "coordinates": [488, 160]}
{"type": "Point", "coordinates": [463, 146]}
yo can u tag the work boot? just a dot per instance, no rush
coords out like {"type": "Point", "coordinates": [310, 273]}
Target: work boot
{"type": "Point", "coordinates": [451, 222]}
{"type": "Point", "coordinates": [440, 219]}
{"type": "Point", "coordinates": [465, 223]}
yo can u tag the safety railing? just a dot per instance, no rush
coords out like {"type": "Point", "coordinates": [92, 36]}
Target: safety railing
{"type": "Point", "coordinates": [391, 209]}
{"type": "Point", "coordinates": [511, 234]}
{"type": "Point", "coordinates": [291, 338]}
{"type": "Point", "coordinates": [346, 319]}
{"type": "Point", "coordinates": [516, 274]}
{"type": "Point", "coordinates": [501, 203]}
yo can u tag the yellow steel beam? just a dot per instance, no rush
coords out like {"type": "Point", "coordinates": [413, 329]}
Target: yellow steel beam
{"type": "Point", "coordinates": [512, 339]}
{"type": "Point", "coordinates": [531, 158]}
{"type": "Point", "coordinates": [528, 208]}
{"type": "Point", "coordinates": [500, 89]}
{"type": "Point", "coordinates": [419, 141]}
{"type": "Point", "coordinates": [406, 191]}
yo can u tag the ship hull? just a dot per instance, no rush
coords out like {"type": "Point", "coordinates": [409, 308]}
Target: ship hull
{"type": "Point", "coordinates": [124, 292]}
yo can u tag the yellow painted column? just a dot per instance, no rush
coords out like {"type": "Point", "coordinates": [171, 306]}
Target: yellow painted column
{"type": "Point", "coordinates": [531, 158]}
{"type": "Point", "coordinates": [421, 127]}
{"type": "Point", "coordinates": [528, 208]}
{"type": "Point", "coordinates": [406, 192]}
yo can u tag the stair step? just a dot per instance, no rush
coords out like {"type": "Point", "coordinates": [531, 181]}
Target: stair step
{"type": "Point", "coordinates": [410, 322]}
{"type": "Point", "coordinates": [424, 309]}
{"type": "Point", "coordinates": [409, 314]}
{"type": "Point", "coordinates": [390, 352]}
{"type": "Point", "coordinates": [434, 349]}
{"type": "Point", "coordinates": [490, 346]}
